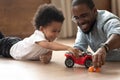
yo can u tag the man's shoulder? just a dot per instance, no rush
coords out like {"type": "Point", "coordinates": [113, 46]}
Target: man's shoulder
{"type": "Point", "coordinates": [104, 16]}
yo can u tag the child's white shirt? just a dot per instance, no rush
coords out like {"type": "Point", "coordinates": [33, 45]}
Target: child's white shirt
{"type": "Point", "coordinates": [27, 49]}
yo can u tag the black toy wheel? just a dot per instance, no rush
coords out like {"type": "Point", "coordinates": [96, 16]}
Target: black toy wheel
{"type": "Point", "coordinates": [69, 62]}
{"type": "Point", "coordinates": [88, 63]}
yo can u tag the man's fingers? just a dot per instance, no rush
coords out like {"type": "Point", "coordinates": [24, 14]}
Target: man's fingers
{"type": "Point", "coordinates": [95, 60]}
{"type": "Point", "coordinates": [103, 59]}
{"type": "Point", "coordinates": [100, 62]}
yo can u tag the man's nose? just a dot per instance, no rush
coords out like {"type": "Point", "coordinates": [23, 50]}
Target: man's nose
{"type": "Point", "coordinates": [81, 21]}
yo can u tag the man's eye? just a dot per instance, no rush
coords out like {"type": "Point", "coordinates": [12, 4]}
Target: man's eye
{"type": "Point", "coordinates": [76, 17]}
{"type": "Point", "coordinates": [84, 15]}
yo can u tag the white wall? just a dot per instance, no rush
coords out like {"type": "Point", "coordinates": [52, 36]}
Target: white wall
{"type": "Point", "coordinates": [67, 29]}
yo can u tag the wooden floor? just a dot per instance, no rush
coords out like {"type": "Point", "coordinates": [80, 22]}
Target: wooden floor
{"type": "Point", "coordinates": [56, 70]}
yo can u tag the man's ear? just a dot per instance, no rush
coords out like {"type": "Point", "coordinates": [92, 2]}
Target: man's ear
{"type": "Point", "coordinates": [95, 10]}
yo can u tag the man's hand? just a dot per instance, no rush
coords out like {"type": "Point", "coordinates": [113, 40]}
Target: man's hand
{"type": "Point", "coordinates": [99, 57]}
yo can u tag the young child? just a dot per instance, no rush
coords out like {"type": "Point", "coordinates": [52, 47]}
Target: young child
{"type": "Point", "coordinates": [48, 22]}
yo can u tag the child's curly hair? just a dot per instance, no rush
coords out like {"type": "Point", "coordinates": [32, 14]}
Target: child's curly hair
{"type": "Point", "coordinates": [46, 14]}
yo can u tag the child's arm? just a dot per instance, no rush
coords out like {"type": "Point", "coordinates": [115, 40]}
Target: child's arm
{"type": "Point", "coordinates": [53, 45]}
{"type": "Point", "coordinates": [57, 46]}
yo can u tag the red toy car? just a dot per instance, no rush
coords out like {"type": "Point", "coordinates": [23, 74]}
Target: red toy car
{"type": "Point", "coordinates": [83, 59]}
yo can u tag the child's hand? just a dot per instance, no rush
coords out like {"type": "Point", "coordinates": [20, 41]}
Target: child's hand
{"type": "Point", "coordinates": [75, 51]}
{"type": "Point", "coordinates": [45, 58]}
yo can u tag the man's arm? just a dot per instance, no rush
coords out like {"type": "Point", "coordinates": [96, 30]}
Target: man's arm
{"type": "Point", "coordinates": [112, 31]}
{"type": "Point", "coordinates": [80, 41]}
{"type": "Point", "coordinates": [113, 42]}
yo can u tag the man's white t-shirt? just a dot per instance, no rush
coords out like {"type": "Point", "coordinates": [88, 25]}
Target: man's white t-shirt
{"type": "Point", "coordinates": [27, 49]}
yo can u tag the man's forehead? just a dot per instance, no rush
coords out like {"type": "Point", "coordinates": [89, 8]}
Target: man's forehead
{"type": "Point", "coordinates": [80, 9]}
{"type": "Point", "coordinates": [80, 6]}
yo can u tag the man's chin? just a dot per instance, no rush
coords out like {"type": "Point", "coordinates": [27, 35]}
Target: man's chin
{"type": "Point", "coordinates": [86, 32]}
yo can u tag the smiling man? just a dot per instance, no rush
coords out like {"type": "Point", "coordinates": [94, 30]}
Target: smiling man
{"type": "Point", "coordinates": [98, 29]}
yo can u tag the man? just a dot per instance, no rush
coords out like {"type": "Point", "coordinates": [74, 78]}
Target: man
{"type": "Point", "coordinates": [98, 29]}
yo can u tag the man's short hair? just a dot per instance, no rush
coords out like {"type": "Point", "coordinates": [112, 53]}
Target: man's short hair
{"type": "Point", "coordinates": [89, 3]}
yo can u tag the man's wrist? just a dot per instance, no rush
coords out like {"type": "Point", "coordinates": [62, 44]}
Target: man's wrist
{"type": "Point", "coordinates": [106, 46]}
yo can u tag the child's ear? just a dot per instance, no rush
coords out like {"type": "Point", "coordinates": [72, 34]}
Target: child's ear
{"type": "Point", "coordinates": [41, 28]}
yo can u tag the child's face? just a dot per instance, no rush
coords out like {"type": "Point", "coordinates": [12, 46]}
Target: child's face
{"type": "Point", "coordinates": [52, 30]}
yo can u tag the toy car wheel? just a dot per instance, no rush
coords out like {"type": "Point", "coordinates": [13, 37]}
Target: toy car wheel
{"type": "Point", "coordinates": [88, 63]}
{"type": "Point", "coordinates": [69, 62]}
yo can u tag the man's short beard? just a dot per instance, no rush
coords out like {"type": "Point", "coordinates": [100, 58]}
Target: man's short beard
{"type": "Point", "coordinates": [87, 32]}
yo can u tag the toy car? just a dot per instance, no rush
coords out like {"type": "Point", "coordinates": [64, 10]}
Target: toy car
{"type": "Point", "coordinates": [83, 59]}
